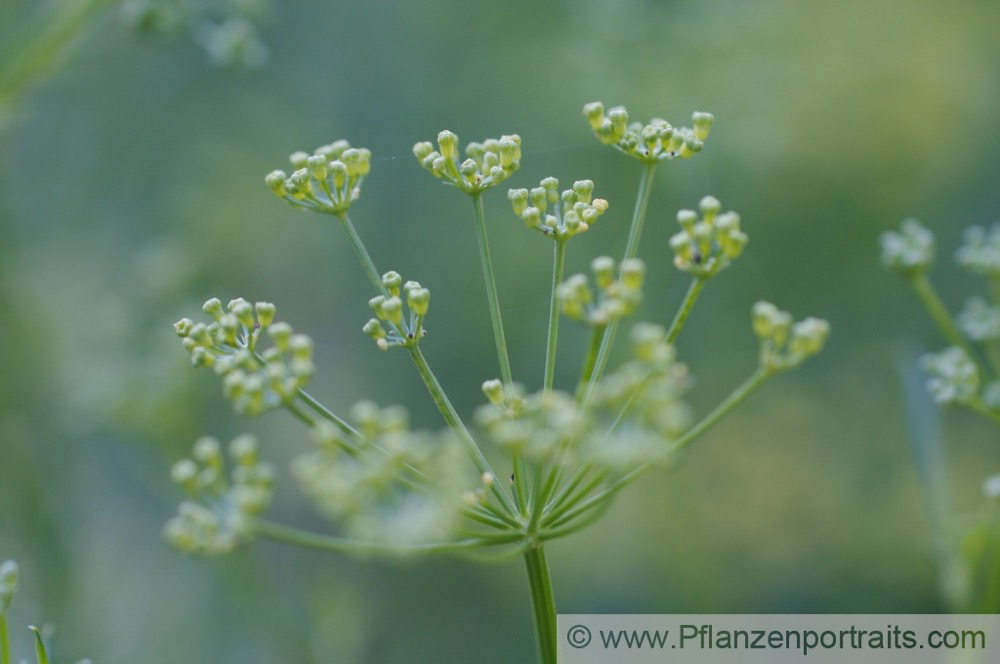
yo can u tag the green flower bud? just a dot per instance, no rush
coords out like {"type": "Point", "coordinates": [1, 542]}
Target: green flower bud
{"type": "Point", "coordinates": [469, 168]}
{"type": "Point", "coordinates": [493, 389]}
{"type": "Point", "coordinates": [595, 114]}
{"type": "Point", "coordinates": [603, 268]}
{"type": "Point", "coordinates": [702, 123]}
{"type": "Point", "coordinates": [375, 304]}
{"type": "Point", "coordinates": [392, 309]}
{"type": "Point", "coordinates": [584, 190]}
{"type": "Point", "coordinates": [422, 150]}
{"type": "Point", "coordinates": [518, 199]}
{"type": "Point", "coordinates": [300, 346]}
{"type": "Point", "coordinates": [709, 207]}
{"type": "Point", "coordinates": [207, 451]}
{"type": "Point", "coordinates": [243, 312]}
{"type": "Point", "coordinates": [280, 334]}
{"type": "Point", "coordinates": [338, 172]}
{"type": "Point", "coordinates": [539, 198]}
{"type": "Point", "coordinates": [808, 337]}
{"type": "Point", "coordinates": [418, 299]}
{"type": "Point", "coordinates": [391, 280]}
{"type": "Point", "coordinates": [448, 144]}
{"type": "Point", "coordinates": [265, 313]}
{"type": "Point", "coordinates": [317, 166]}
{"type": "Point", "coordinates": [551, 187]}
{"type": "Point", "coordinates": [687, 219]}
{"type": "Point", "coordinates": [532, 217]}
{"type": "Point", "coordinates": [298, 159]}
{"type": "Point", "coordinates": [373, 328]}
{"type": "Point", "coordinates": [183, 327]}
{"type": "Point", "coordinates": [619, 121]}
{"type": "Point", "coordinates": [953, 376]}
{"type": "Point", "coordinates": [243, 450]}
{"type": "Point", "coordinates": [763, 316]}
{"type": "Point", "coordinates": [184, 473]}
{"type": "Point", "coordinates": [510, 153]}
{"type": "Point", "coordinates": [475, 151]}
{"type": "Point", "coordinates": [275, 181]}
{"type": "Point", "coordinates": [633, 272]}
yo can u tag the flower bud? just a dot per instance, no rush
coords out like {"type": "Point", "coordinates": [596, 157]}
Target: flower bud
{"type": "Point", "coordinates": [518, 199]}
{"type": "Point", "coordinates": [422, 150]}
{"type": "Point", "coordinates": [584, 190]}
{"type": "Point", "coordinates": [633, 271]}
{"type": "Point", "coordinates": [280, 334]}
{"type": "Point", "coordinates": [373, 328]}
{"type": "Point", "coordinates": [275, 180]}
{"type": "Point", "coordinates": [702, 123]}
{"type": "Point", "coordinates": [183, 327]}
{"type": "Point", "coordinates": [298, 159]}
{"type": "Point", "coordinates": [595, 114]}
{"type": "Point", "coordinates": [493, 389]}
{"type": "Point", "coordinates": [603, 268]}
{"type": "Point", "coordinates": [392, 309]}
{"type": "Point", "coordinates": [808, 336]}
{"type": "Point", "coordinates": [709, 207]}
{"type": "Point", "coordinates": [418, 299]}
{"type": "Point", "coordinates": [265, 313]}
{"type": "Point", "coordinates": [391, 280]}
{"type": "Point", "coordinates": [448, 144]}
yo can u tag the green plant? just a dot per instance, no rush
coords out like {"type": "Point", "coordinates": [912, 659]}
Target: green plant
{"type": "Point", "coordinates": [965, 374]}
{"type": "Point", "coordinates": [9, 573]}
{"type": "Point", "coordinates": [395, 490]}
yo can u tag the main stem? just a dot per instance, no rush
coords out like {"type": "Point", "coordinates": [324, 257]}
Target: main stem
{"type": "Point", "coordinates": [4, 640]}
{"type": "Point", "coordinates": [367, 264]}
{"type": "Point", "coordinates": [543, 602]}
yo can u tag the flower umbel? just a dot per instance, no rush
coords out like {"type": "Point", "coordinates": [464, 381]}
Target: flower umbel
{"type": "Point", "coordinates": [328, 181]}
{"type": "Point", "coordinates": [540, 209]}
{"type": "Point", "coordinates": [653, 142]}
{"type": "Point", "coordinates": [487, 164]}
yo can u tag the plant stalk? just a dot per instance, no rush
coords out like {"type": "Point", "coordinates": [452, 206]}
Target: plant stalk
{"type": "Point", "coordinates": [491, 290]}
{"type": "Point", "coordinates": [543, 603]}
{"type": "Point", "coordinates": [558, 266]}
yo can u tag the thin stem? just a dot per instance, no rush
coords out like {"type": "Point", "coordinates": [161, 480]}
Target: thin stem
{"type": "Point", "coordinates": [327, 414]}
{"type": "Point", "coordinates": [307, 539]}
{"type": "Point", "coordinates": [359, 250]}
{"type": "Point", "coordinates": [639, 213]}
{"type": "Point", "coordinates": [631, 249]}
{"type": "Point", "coordinates": [596, 338]}
{"type": "Point", "coordinates": [939, 313]}
{"type": "Point", "coordinates": [491, 290]}
{"type": "Point", "coordinates": [41, 655]}
{"type": "Point", "coordinates": [558, 265]}
{"type": "Point", "coordinates": [694, 290]}
{"type": "Point", "coordinates": [455, 422]}
{"type": "Point", "coordinates": [4, 639]}
{"type": "Point", "coordinates": [543, 602]}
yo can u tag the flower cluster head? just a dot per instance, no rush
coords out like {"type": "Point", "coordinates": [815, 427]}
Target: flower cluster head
{"type": "Point", "coordinates": [981, 252]}
{"type": "Point", "coordinates": [387, 484]}
{"type": "Point", "coordinates": [252, 379]}
{"type": "Point", "coordinates": [785, 344]}
{"type": "Point", "coordinates": [328, 181]}
{"type": "Point", "coordinates": [909, 252]}
{"type": "Point", "coordinates": [616, 296]}
{"type": "Point", "coordinates": [653, 142]}
{"type": "Point", "coordinates": [552, 426]}
{"type": "Point", "coordinates": [705, 247]}
{"type": "Point", "coordinates": [954, 378]}
{"type": "Point", "coordinates": [220, 513]}
{"type": "Point", "coordinates": [403, 330]}
{"type": "Point", "coordinates": [578, 212]}
{"type": "Point", "coordinates": [979, 320]}
{"type": "Point", "coordinates": [487, 164]}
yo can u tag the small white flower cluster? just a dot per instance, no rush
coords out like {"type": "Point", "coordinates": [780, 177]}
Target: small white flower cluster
{"type": "Point", "coordinates": [707, 246]}
{"type": "Point", "coordinates": [487, 164]}
{"type": "Point", "coordinates": [578, 212]}
{"type": "Point", "coordinates": [653, 142]}
{"type": "Point", "coordinates": [329, 180]}
{"type": "Point", "coordinates": [254, 381]}
{"type": "Point", "coordinates": [389, 485]}
{"type": "Point", "coordinates": [403, 331]}
{"type": "Point", "coordinates": [616, 296]}
{"type": "Point", "coordinates": [910, 251]}
{"type": "Point", "coordinates": [785, 344]}
{"type": "Point", "coordinates": [219, 515]}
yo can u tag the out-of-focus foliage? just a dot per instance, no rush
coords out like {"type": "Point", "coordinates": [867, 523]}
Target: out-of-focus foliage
{"type": "Point", "coordinates": [131, 190]}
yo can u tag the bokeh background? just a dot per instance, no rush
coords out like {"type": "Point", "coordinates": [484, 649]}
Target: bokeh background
{"type": "Point", "coordinates": [131, 191]}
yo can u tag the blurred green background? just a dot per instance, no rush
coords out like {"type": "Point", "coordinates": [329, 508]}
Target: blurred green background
{"type": "Point", "coordinates": [131, 191]}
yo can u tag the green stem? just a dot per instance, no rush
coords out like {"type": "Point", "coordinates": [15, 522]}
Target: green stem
{"type": "Point", "coordinates": [359, 250]}
{"type": "Point", "coordinates": [41, 655]}
{"type": "Point", "coordinates": [631, 249]}
{"type": "Point", "coordinates": [543, 602]}
{"type": "Point", "coordinates": [491, 290]}
{"type": "Point", "coordinates": [558, 265]}
{"type": "Point", "coordinates": [939, 313]}
{"type": "Point", "coordinates": [639, 213]}
{"type": "Point", "coordinates": [307, 539]}
{"type": "Point", "coordinates": [327, 414]}
{"type": "Point", "coordinates": [755, 380]}
{"type": "Point", "coordinates": [455, 422]}
{"type": "Point", "coordinates": [4, 640]}
{"type": "Point", "coordinates": [694, 290]}
{"type": "Point", "coordinates": [596, 338]}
